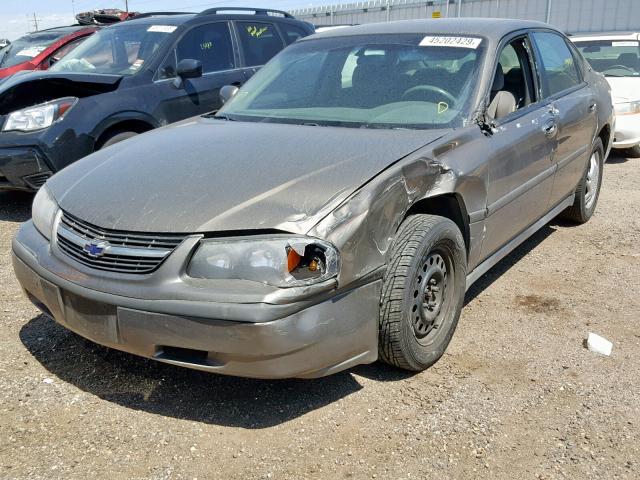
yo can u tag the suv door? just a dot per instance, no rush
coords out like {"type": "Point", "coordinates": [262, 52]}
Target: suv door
{"type": "Point", "coordinates": [212, 45]}
{"type": "Point", "coordinates": [259, 43]}
{"type": "Point", "coordinates": [574, 109]}
{"type": "Point", "coordinates": [521, 169]}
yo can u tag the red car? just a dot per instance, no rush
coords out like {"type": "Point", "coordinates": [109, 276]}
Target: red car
{"type": "Point", "coordinates": [40, 50]}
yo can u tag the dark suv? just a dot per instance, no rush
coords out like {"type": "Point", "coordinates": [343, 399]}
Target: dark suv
{"type": "Point", "coordinates": [130, 78]}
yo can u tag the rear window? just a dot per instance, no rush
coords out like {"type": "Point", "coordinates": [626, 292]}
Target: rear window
{"type": "Point", "coordinates": [28, 47]}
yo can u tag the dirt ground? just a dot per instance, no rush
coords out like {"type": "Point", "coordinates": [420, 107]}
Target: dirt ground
{"type": "Point", "coordinates": [517, 396]}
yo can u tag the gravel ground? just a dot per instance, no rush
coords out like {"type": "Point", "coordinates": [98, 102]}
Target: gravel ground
{"type": "Point", "coordinates": [516, 396]}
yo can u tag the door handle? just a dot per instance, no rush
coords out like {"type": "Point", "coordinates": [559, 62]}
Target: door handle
{"type": "Point", "coordinates": [550, 128]}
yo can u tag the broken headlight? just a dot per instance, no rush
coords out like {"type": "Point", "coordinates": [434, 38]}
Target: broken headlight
{"type": "Point", "coordinates": [39, 116]}
{"type": "Point", "coordinates": [280, 261]}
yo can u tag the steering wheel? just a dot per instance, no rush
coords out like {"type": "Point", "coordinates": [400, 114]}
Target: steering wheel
{"type": "Point", "coordinates": [628, 69]}
{"type": "Point", "coordinates": [420, 91]}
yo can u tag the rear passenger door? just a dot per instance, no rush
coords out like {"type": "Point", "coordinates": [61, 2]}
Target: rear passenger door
{"type": "Point", "coordinates": [259, 43]}
{"type": "Point", "coordinates": [212, 44]}
{"type": "Point", "coordinates": [573, 105]}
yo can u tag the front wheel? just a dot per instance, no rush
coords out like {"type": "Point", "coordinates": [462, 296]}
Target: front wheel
{"type": "Point", "coordinates": [422, 293]}
{"type": "Point", "coordinates": [588, 190]}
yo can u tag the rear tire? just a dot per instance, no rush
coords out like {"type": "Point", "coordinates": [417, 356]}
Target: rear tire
{"type": "Point", "coordinates": [423, 292]}
{"type": "Point", "coordinates": [115, 137]}
{"type": "Point", "coordinates": [588, 190]}
{"type": "Point", "coordinates": [633, 152]}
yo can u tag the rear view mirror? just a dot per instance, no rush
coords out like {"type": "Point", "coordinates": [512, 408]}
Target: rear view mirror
{"type": "Point", "coordinates": [187, 68]}
{"type": "Point", "coordinates": [228, 92]}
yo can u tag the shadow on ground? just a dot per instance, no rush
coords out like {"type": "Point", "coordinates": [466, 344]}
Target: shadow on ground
{"type": "Point", "coordinates": [15, 206]}
{"type": "Point", "coordinates": [154, 387]}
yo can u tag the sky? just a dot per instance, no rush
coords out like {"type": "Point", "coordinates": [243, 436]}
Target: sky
{"type": "Point", "coordinates": [53, 13]}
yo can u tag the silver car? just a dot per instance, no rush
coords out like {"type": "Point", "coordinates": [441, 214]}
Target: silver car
{"type": "Point", "coordinates": [337, 208]}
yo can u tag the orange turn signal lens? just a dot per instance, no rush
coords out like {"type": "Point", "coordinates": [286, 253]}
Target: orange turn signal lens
{"type": "Point", "coordinates": [293, 260]}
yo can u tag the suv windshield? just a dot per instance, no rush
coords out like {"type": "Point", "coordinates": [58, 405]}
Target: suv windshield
{"type": "Point", "coordinates": [28, 47]}
{"type": "Point", "coordinates": [388, 81]}
{"type": "Point", "coordinates": [613, 58]}
{"type": "Point", "coordinates": [120, 50]}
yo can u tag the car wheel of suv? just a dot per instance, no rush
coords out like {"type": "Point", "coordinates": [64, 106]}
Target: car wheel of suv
{"type": "Point", "coordinates": [633, 152]}
{"type": "Point", "coordinates": [423, 292]}
{"type": "Point", "coordinates": [114, 138]}
{"type": "Point", "coordinates": [588, 191]}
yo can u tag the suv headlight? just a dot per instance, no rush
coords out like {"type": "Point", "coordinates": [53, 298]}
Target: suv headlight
{"type": "Point", "coordinates": [627, 108]}
{"type": "Point", "coordinates": [40, 116]}
{"type": "Point", "coordinates": [280, 261]}
{"type": "Point", "coordinates": [43, 211]}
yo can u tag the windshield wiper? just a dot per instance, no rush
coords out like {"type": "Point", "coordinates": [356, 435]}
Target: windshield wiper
{"type": "Point", "coordinates": [220, 117]}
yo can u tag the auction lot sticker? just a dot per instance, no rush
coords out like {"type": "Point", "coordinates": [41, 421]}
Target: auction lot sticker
{"type": "Point", "coordinates": [162, 28]}
{"type": "Point", "coordinates": [460, 42]}
{"type": "Point", "coordinates": [625, 44]}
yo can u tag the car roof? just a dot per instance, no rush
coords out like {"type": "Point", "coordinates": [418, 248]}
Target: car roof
{"type": "Point", "coordinates": [492, 28]}
{"type": "Point", "coordinates": [68, 30]}
{"type": "Point", "coordinates": [180, 18]}
{"type": "Point", "coordinates": [159, 19]}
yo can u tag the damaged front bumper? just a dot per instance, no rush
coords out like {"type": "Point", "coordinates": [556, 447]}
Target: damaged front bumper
{"type": "Point", "coordinates": [191, 326]}
{"type": "Point", "coordinates": [23, 168]}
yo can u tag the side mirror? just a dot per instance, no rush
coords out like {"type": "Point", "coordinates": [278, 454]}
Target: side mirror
{"type": "Point", "coordinates": [187, 68]}
{"type": "Point", "coordinates": [228, 92]}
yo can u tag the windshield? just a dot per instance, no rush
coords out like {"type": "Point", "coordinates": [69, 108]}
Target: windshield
{"type": "Point", "coordinates": [613, 58]}
{"type": "Point", "coordinates": [28, 47]}
{"type": "Point", "coordinates": [381, 81]}
{"type": "Point", "coordinates": [120, 50]}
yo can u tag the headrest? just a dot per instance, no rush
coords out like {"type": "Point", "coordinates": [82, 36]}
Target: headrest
{"type": "Point", "coordinates": [498, 80]}
{"type": "Point", "coordinates": [628, 59]}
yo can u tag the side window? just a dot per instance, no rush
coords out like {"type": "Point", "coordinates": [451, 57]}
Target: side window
{"type": "Point", "coordinates": [515, 65]}
{"type": "Point", "coordinates": [259, 41]}
{"type": "Point", "coordinates": [292, 32]}
{"type": "Point", "coordinates": [210, 43]}
{"type": "Point", "coordinates": [62, 51]}
{"type": "Point", "coordinates": [557, 63]}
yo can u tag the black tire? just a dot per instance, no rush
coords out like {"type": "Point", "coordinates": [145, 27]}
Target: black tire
{"type": "Point", "coordinates": [114, 138]}
{"type": "Point", "coordinates": [404, 338]}
{"type": "Point", "coordinates": [588, 190]}
{"type": "Point", "coordinates": [633, 152]}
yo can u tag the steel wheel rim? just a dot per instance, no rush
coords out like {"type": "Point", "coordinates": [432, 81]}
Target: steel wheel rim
{"type": "Point", "coordinates": [431, 296]}
{"type": "Point", "coordinates": [593, 178]}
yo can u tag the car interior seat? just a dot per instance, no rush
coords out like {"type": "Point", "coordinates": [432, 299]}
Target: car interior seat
{"type": "Point", "coordinates": [502, 102]}
{"type": "Point", "coordinates": [630, 60]}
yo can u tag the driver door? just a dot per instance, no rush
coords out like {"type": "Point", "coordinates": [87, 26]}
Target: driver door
{"type": "Point", "coordinates": [212, 45]}
{"type": "Point", "coordinates": [521, 169]}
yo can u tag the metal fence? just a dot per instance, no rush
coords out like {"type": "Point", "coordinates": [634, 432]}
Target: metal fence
{"type": "Point", "coordinates": [572, 16]}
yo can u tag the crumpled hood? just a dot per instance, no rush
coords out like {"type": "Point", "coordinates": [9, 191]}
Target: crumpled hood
{"type": "Point", "coordinates": [25, 89]}
{"type": "Point", "coordinates": [624, 89]}
{"type": "Point", "coordinates": [208, 175]}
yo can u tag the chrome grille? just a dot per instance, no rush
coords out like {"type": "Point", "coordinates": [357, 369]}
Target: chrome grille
{"type": "Point", "coordinates": [114, 250]}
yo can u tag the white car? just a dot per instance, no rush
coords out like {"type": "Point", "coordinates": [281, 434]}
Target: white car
{"type": "Point", "coordinates": [617, 56]}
